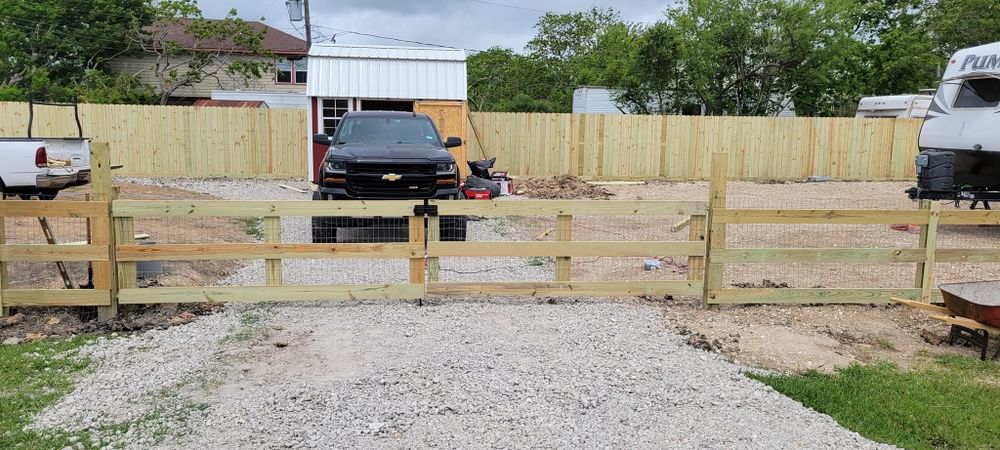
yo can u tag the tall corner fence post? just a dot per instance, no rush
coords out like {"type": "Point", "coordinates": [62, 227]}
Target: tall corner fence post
{"type": "Point", "coordinates": [273, 275]}
{"type": "Point", "coordinates": [100, 229]}
{"type": "Point", "coordinates": [564, 233]}
{"type": "Point", "coordinates": [928, 241]}
{"type": "Point", "coordinates": [716, 237]}
{"type": "Point", "coordinates": [416, 236]}
{"type": "Point", "coordinates": [4, 311]}
{"type": "Point", "coordinates": [433, 235]}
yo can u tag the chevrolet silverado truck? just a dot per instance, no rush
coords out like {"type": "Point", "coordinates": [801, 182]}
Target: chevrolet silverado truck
{"type": "Point", "coordinates": [41, 167]}
{"type": "Point", "coordinates": [381, 155]}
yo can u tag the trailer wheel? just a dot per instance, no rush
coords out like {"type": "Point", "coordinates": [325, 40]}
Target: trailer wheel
{"type": "Point", "coordinates": [453, 228]}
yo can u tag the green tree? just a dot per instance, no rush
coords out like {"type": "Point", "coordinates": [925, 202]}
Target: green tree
{"type": "Point", "coordinates": [229, 51]}
{"type": "Point", "coordinates": [958, 24]}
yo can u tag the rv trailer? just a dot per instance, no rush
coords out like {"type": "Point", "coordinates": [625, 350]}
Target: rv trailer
{"type": "Point", "coordinates": [960, 138]}
{"type": "Point", "coordinates": [912, 106]}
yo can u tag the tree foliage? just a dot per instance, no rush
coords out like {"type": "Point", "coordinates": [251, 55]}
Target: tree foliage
{"type": "Point", "coordinates": [742, 57]}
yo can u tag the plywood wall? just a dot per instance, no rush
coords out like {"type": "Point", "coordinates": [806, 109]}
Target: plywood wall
{"type": "Point", "coordinates": [680, 147]}
{"type": "Point", "coordinates": [172, 141]}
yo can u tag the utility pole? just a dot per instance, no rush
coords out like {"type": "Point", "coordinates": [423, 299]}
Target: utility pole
{"type": "Point", "coordinates": [309, 40]}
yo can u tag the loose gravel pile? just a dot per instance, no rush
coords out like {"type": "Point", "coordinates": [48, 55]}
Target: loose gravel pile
{"type": "Point", "coordinates": [580, 373]}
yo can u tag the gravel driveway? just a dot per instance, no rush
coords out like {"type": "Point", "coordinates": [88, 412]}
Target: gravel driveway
{"type": "Point", "coordinates": [495, 373]}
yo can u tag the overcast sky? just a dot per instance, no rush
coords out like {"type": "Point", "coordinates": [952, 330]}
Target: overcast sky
{"type": "Point", "coordinates": [469, 24]}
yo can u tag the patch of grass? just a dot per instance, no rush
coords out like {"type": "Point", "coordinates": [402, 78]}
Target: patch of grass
{"type": "Point", "coordinates": [252, 325]}
{"type": "Point", "coordinates": [950, 401]}
{"type": "Point", "coordinates": [33, 376]}
{"type": "Point", "coordinates": [252, 226]}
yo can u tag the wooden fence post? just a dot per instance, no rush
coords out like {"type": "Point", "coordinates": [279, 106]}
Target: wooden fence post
{"type": "Point", "coordinates": [928, 242]}
{"type": "Point", "coordinates": [272, 267]}
{"type": "Point", "coordinates": [433, 235]}
{"type": "Point", "coordinates": [4, 311]}
{"type": "Point", "coordinates": [125, 235]}
{"type": "Point", "coordinates": [100, 227]}
{"type": "Point", "coordinates": [696, 264]}
{"type": "Point", "coordinates": [417, 275]}
{"type": "Point", "coordinates": [716, 238]}
{"type": "Point", "coordinates": [564, 232]}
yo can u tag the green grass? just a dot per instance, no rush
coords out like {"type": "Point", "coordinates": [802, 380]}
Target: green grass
{"type": "Point", "coordinates": [252, 226]}
{"type": "Point", "coordinates": [253, 324]}
{"type": "Point", "coordinates": [32, 376]}
{"type": "Point", "coordinates": [950, 401]}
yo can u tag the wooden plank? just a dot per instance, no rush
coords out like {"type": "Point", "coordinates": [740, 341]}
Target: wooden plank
{"type": "Point", "coordinates": [417, 263]}
{"type": "Point", "coordinates": [31, 252]}
{"type": "Point", "coordinates": [716, 238]}
{"type": "Point", "coordinates": [697, 232]}
{"type": "Point", "coordinates": [52, 208]}
{"type": "Point", "coordinates": [571, 208]}
{"type": "Point", "coordinates": [230, 208]}
{"type": "Point", "coordinates": [567, 289]}
{"type": "Point", "coordinates": [566, 249]}
{"type": "Point", "coordinates": [270, 293]}
{"type": "Point", "coordinates": [57, 297]}
{"type": "Point", "coordinates": [920, 305]}
{"type": "Point", "coordinates": [969, 255]}
{"type": "Point", "coordinates": [918, 282]}
{"type": "Point", "coordinates": [833, 216]}
{"type": "Point", "coordinates": [967, 323]}
{"type": "Point", "coordinates": [99, 227]}
{"type": "Point", "coordinates": [125, 238]}
{"type": "Point", "coordinates": [210, 252]}
{"type": "Point", "coordinates": [272, 266]}
{"type": "Point", "coordinates": [433, 235]}
{"type": "Point", "coordinates": [818, 255]}
{"type": "Point", "coordinates": [564, 234]}
{"type": "Point", "coordinates": [4, 309]}
{"type": "Point", "coordinates": [807, 296]}
{"type": "Point", "coordinates": [977, 217]}
{"type": "Point", "coordinates": [930, 244]}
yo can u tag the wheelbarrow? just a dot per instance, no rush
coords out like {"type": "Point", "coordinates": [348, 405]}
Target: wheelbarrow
{"type": "Point", "coordinates": [973, 311]}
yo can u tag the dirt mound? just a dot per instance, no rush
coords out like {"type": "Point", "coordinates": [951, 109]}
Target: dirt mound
{"type": "Point", "coordinates": [565, 187]}
{"type": "Point", "coordinates": [767, 284]}
{"type": "Point", "coordinates": [28, 324]}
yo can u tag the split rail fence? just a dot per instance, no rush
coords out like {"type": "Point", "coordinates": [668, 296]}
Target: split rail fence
{"type": "Point", "coordinates": [113, 253]}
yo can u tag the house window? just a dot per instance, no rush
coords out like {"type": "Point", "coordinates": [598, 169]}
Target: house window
{"type": "Point", "coordinates": [333, 110]}
{"type": "Point", "coordinates": [290, 71]}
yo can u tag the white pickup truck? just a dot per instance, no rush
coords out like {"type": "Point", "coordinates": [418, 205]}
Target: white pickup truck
{"type": "Point", "coordinates": [42, 167]}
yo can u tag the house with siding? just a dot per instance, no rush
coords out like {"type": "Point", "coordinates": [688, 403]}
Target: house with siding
{"type": "Point", "coordinates": [288, 77]}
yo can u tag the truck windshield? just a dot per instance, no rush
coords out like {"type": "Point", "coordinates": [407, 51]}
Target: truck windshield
{"type": "Point", "coordinates": [979, 93]}
{"type": "Point", "coordinates": [387, 131]}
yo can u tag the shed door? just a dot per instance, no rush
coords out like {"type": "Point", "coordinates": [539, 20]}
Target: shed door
{"type": "Point", "coordinates": [450, 119]}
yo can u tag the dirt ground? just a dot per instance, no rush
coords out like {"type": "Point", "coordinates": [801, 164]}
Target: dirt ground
{"type": "Point", "coordinates": [33, 323]}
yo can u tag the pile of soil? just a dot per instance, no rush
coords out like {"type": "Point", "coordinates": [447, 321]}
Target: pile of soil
{"type": "Point", "coordinates": [28, 324]}
{"type": "Point", "coordinates": [565, 187]}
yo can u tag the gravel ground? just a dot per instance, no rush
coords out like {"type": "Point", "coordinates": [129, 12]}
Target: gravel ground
{"type": "Point", "coordinates": [590, 373]}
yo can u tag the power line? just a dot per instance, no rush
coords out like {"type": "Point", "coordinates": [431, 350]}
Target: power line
{"type": "Point", "coordinates": [504, 5]}
{"type": "Point", "coordinates": [391, 38]}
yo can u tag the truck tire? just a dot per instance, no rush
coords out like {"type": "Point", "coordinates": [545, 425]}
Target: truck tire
{"type": "Point", "coordinates": [324, 230]}
{"type": "Point", "coordinates": [453, 228]}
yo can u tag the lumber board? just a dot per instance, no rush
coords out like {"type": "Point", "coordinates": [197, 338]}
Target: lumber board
{"type": "Point", "coordinates": [56, 297]}
{"type": "Point", "coordinates": [564, 289]}
{"type": "Point", "coordinates": [418, 263]}
{"type": "Point", "coordinates": [570, 207]}
{"type": "Point", "coordinates": [921, 305]}
{"type": "Point", "coordinates": [32, 252]}
{"type": "Point", "coordinates": [696, 233]}
{"type": "Point", "coordinates": [433, 235]}
{"type": "Point", "coordinates": [210, 252]}
{"type": "Point", "coordinates": [125, 236]}
{"type": "Point", "coordinates": [272, 267]}
{"type": "Point", "coordinates": [969, 255]}
{"type": "Point", "coordinates": [564, 234]}
{"type": "Point", "coordinates": [800, 296]}
{"type": "Point", "coordinates": [270, 293]}
{"type": "Point", "coordinates": [929, 242]}
{"type": "Point", "coordinates": [817, 255]}
{"type": "Point", "coordinates": [258, 208]}
{"type": "Point", "coordinates": [4, 310]}
{"type": "Point", "coordinates": [977, 217]}
{"type": "Point", "coordinates": [834, 216]}
{"type": "Point", "coordinates": [53, 208]}
{"type": "Point", "coordinates": [566, 249]}
{"type": "Point", "coordinates": [716, 233]}
{"type": "Point", "coordinates": [967, 323]}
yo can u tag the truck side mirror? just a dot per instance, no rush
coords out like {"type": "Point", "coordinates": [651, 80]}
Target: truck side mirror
{"type": "Point", "coordinates": [452, 141]}
{"type": "Point", "coordinates": [321, 139]}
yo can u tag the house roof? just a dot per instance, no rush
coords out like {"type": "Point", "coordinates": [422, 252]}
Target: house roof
{"type": "Point", "coordinates": [275, 40]}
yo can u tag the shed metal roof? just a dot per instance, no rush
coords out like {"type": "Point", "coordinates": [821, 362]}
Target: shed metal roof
{"type": "Point", "coordinates": [384, 72]}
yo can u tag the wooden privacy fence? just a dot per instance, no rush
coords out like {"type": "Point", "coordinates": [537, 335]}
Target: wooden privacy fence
{"type": "Point", "coordinates": [681, 147]}
{"type": "Point", "coordinates": [175, 141]}
{"type": "Point", "coordinates": [925, 255]}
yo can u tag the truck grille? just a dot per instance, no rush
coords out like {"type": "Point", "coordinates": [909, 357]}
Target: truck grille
{"type": "Point", "coordinates": [416, 180]}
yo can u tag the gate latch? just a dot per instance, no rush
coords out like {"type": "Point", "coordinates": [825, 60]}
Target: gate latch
{"type": "Point", "coordinates": [425, 210]}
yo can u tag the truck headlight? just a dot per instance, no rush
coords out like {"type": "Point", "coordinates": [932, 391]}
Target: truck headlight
{"type": "Point", "coordinates": [446, 168]}
{"type": "Point", "coordinates": [336, 166]}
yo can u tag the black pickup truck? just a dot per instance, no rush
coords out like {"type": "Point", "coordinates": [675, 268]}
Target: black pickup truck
{"type": "Point", "coordinates": [380, 155]}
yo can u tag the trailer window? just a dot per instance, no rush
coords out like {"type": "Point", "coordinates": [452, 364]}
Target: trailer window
{"type": "Point", "coordinates": [979, 93]}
